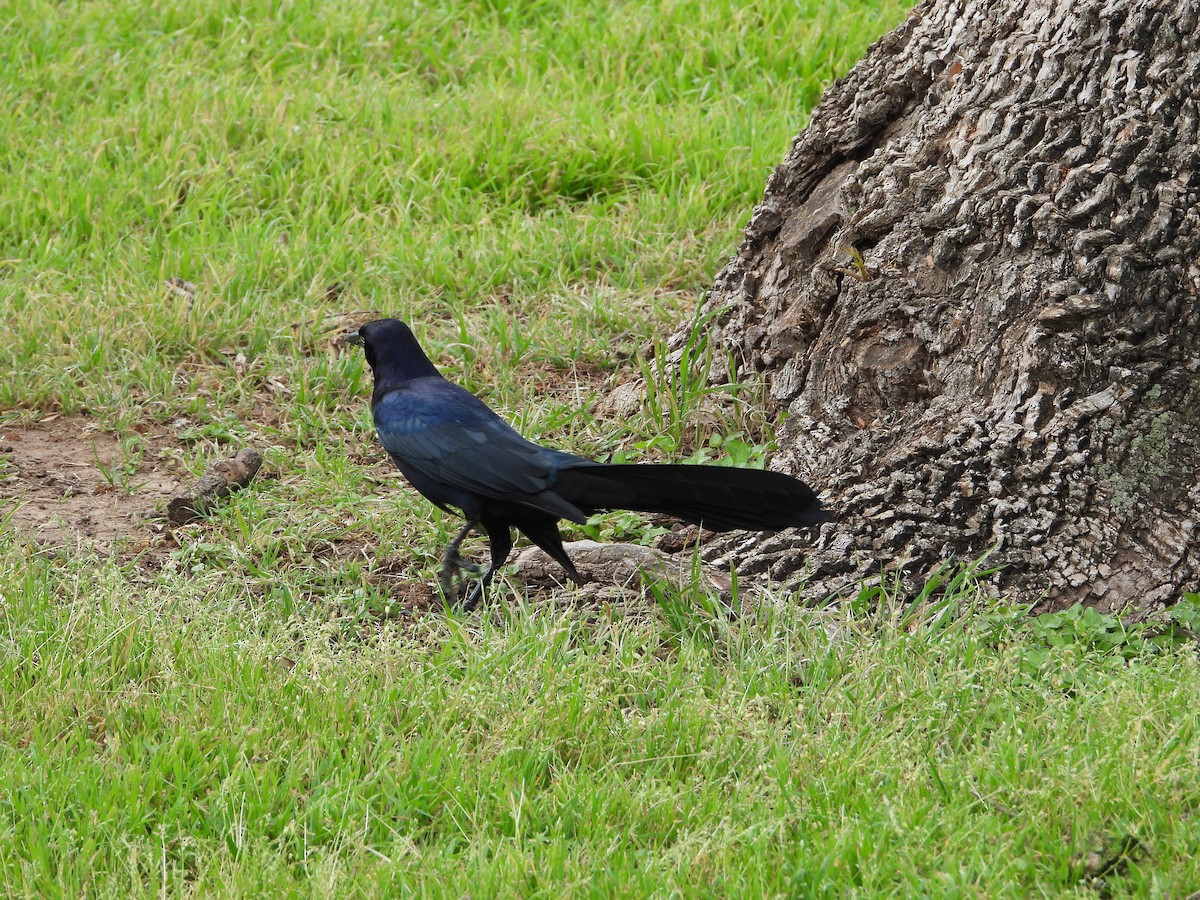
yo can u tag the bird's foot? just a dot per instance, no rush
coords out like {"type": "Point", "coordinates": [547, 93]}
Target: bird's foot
{"type": "Point", "coordinates": [452, 580]}
{"type": "Point", "coordinates": [462, 565]}
{"type": "Point", "coordinates": [472, 597]}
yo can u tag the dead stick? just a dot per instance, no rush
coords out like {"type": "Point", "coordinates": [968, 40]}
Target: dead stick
{"type": "Point", "coordinates": [217, 482]}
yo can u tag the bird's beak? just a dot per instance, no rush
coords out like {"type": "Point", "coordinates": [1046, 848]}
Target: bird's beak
{"type": "Point", "coordinates": [353, 337]}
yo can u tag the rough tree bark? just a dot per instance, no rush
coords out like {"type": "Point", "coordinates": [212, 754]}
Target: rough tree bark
{"type": "Point", "coordinates": [973, 283]}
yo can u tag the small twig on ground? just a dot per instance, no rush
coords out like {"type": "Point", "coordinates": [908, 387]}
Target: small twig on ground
{"type": "Point", "coordinates": [218, 481]}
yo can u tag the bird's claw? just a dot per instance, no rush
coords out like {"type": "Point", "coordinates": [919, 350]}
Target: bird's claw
{"type": "Point", "coordinates": [464, 565]}
{"type": "Point", "coordinates": [451, 580]}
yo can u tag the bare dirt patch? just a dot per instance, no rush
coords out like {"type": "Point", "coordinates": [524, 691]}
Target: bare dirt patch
{"type": "Point", "coordinates": [412, 595]}
{"type": "Point", "coordinates": [67, 482]}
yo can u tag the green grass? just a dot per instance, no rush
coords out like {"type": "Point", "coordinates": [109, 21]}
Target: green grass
{"type": "Point", "coordinates": [544, 179]}
{"type": "Point", "coordinates": [542, 189]}
{"type": "Point", "coordinates": [203, 739]}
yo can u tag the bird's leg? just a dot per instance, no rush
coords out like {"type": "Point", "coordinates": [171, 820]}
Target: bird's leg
{"type": "Point", "coordinates": [476, 591]}
{"type": "Point", "coordinates": [453, 565]}
{"type": "Point", "coordinates": [500, 544]}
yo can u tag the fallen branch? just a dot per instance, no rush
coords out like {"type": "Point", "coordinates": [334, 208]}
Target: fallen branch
{"type": "Point", "coordinates": [218, 481]}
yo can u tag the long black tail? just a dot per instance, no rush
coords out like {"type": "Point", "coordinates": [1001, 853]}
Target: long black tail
{"type": "Point", "coordinates": [717, 497]}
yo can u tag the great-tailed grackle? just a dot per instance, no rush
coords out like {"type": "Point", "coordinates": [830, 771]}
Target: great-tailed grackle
{"type": "Point", "coordinates": [458, 453]}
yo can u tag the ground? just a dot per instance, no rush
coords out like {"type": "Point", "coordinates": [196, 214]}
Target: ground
{"type": "Point", "coordinates": [70, 484]}
{"type": "Point", "coordinates": [74, 484]}
{"type": "Point", "coordinates": [201, 195]}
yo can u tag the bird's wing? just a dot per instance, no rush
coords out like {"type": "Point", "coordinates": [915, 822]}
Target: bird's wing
{"type": "Point", "coordinates": [443, 434]}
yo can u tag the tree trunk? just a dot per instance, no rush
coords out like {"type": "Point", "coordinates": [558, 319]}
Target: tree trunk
{"type": "Point", "coordinates": [973, 285]}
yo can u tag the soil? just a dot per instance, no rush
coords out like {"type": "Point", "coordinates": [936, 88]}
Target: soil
{"type": "Point", "coordinates": [66, 482]}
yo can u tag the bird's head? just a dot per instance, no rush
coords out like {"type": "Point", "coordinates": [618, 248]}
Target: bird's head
{"type": "Point", "coordinates": [392, 351]}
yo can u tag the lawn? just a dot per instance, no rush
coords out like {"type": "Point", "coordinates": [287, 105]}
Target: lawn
{"type": "Point", "coordinates": [198, 198]}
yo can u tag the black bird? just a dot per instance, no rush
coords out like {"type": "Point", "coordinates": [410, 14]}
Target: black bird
{"type": "Point", "coordinates": [458, 453]}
